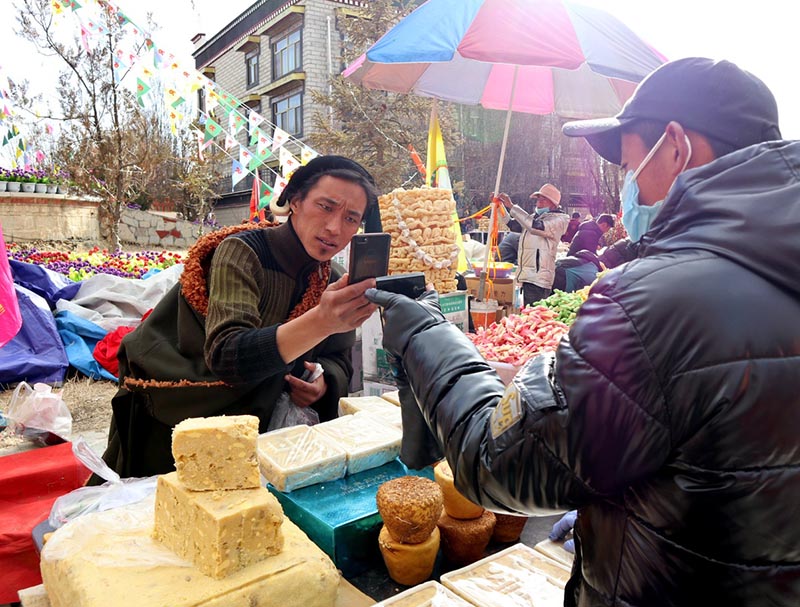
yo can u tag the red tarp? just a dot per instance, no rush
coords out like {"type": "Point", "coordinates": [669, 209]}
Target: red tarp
{"type": "Point", "coordinates": [29, 484]}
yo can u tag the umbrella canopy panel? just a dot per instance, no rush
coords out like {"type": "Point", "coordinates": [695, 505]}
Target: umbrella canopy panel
{"type": "Point", "coordinates": [575, 61]}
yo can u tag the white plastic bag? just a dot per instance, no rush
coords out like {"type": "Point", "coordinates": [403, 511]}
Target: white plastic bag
{"type": "Point", "coordinates": [111, 494]}
{"type": "Point", "coordinates": [286, 414]}
{"type": "Point", "coordinates": [40, 414]}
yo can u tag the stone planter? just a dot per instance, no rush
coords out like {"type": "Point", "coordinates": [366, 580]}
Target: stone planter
{"type": "Point", "coordinates": [13, 186]}
{"type": "Point", "coordinates": [40, 188]}
{"type": "Point", "coordinates": [28, 186]}
{"type": "Point", "coordinates": [52, 188]}
{"type": "Point", "coordinates": [63, 189]}
{"type": "Point", "coordinates": [3, 186]}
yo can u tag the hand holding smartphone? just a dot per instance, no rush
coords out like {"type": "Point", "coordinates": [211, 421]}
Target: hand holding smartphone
{"type": "Point", "coordinates": [369, 256]}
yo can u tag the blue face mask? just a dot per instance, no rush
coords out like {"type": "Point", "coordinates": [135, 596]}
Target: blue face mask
{"type": "Point", "coordinates": [636, 217]}
{"type": "Point", "coordinates": [541, 211]}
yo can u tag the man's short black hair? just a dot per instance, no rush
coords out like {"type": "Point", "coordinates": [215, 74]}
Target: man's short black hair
{"type": "Point", "coordinates": [607, 219]}
{"type": "Point", "coordinates": [576, 215]}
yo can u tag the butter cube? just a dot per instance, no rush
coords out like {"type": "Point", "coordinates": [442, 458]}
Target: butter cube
{"type": "Point", "coordinates": [220, 532]}
{"type": "Point", "coordinates": [215, 453]}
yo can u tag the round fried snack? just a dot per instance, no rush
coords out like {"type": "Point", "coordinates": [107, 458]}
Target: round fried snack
{"type": "Point", "coordinates": [464, 542]}
{"type": "Point", "coordinates": [508, 527]}
{"type": "Point", "coordinates": [410, 507]}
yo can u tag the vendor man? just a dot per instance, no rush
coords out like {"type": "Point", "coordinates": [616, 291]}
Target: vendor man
{"type": "Point", "coordinates": [541, 232]}
{"type": "Point", "coordinates": [670, 415]}
{"type": "Point", "coordinates": [256, 307]}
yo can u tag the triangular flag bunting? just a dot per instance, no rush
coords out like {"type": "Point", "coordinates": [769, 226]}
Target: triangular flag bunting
{"type": "Point", "coordinates": [235, 122]}
{"type": "Point", "coordinates": [265, 197]}
{"type": "Point", "coordinates": [262, 145]}
{"type": "Point", "coordinates": [255, 133]}
{"type": "Point", "coordinates": [212, 129]}
{"type": "Point", "coordinates": [141, 90]}
{"type": "Point", "coordinates": [288, 162]}
{"type": "Point", "coordinates": [245, 156]}
{"type": "Point", "coordinates": [254, 119]}
{"type": "Point", "coordinates": [229, 141]}
{"type": "Point", "coordinates": [307, 155]}
{"type": "Point", "coordinates": [238, 172]}
{"type": "Point", "coordinates": [279, 137]}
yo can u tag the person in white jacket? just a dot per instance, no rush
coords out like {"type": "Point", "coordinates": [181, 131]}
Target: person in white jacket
{"type": "Point", "coordinates": [542, 231]}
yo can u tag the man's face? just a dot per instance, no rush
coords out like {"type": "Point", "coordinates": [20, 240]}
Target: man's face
{"type": "Point", "coordinates": [543, 201]}
{"type": "Point", "coordinates": [604, 227]}
{"type": "Point", "coordinates": [329, 216]}
{"type": "Point", "coordinates": [654, 180]}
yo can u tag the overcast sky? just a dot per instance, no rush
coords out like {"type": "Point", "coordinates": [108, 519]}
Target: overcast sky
{"type": "Point", "coordinates": [761, 37]}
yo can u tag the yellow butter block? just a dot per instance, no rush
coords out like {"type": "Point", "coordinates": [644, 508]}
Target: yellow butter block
{"type": "Point", "coordinates": [110, 559]}
{"type": "Point", "coordinates": [217, 453]}
{"type": "Point", "coordinates": [220, 532]}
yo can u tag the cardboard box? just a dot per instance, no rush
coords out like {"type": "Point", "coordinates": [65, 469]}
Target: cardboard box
{"type": "Point", "coordinates": [503, 289]}
{"type": "Point", "coordinates": [454, 308]}
{"type": "Point", "coordinates": [341, 517]}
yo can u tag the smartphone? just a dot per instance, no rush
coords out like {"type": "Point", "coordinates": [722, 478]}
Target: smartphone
{"type": "Point", "coordinates": [411, 285]}
{"type": "Point", "coordinates": [369, 256]}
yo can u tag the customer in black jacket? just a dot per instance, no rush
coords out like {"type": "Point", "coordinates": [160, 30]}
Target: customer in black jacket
{"type": "Point", "coordinates": [670, 415]}
{"type": "Point", "coordinates": [589, 233]}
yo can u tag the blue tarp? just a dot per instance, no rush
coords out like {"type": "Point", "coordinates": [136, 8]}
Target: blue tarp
{"type": "Point", "coordinates": [46, 283]}
{"type": "Point", "coordinates": [36, 353]}
{"type": "Point", "coordinates": [80, 336]}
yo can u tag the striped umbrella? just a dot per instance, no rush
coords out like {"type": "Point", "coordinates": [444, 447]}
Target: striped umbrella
{"type": "Point", "coordinates": [571, 60]}
{"type": "Point", "coordinates": [532, 56]}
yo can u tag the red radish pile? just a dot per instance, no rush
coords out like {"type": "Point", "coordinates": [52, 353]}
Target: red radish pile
{"type": "Point", "coordinates": [519, 337]}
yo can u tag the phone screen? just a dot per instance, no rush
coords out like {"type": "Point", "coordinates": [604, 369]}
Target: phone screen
{"type": "Point", "coordinates": [369, 256]}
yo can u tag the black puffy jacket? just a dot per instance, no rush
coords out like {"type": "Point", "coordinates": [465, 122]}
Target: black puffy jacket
{"type": "Point", "coordinates": [670, 415]}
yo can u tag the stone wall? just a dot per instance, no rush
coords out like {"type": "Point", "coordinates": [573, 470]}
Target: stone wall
{"type": "Point", "coordinates": [28, 217]}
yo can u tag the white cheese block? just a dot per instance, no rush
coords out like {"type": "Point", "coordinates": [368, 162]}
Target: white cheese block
{"type": "Point", "coordinates": [373, 404]}
{"type": "Point", "coordinates": [368, 441]}
{"type": "Point", "coordinates": [217, 453]}
{"type": "Point", "coordinates": [555, 551]}
{"type": "Point", "coordinates": [515, 576]}
{"type": "Point", "coordinates": [429, 594]}
{"type": "Point", "coordinates": [109, 558]}
{"type": "Point", "coordinates": [299, 456]}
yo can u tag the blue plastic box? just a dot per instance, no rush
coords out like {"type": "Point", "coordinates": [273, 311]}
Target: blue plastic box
{"type": "Point", "coordinates": [341, 517]}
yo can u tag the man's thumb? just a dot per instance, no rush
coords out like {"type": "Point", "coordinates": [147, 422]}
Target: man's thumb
{"type": "Point", "coordinates": [382, 298]}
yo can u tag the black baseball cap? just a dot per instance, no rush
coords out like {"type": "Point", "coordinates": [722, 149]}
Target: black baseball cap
{"type": "Point", "coordinates": [715, 98]}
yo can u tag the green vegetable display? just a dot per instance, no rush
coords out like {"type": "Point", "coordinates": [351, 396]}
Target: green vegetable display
{"type": "Point", "coordinates": [565, 305]}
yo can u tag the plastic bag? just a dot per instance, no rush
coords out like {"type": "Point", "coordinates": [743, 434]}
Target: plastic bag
{"type": "Point", "coordinates": [287, 414]}
{"type": "Point", "coordinates": [40, 414]}
{"type": "Point", "coordinates": [114, 493]}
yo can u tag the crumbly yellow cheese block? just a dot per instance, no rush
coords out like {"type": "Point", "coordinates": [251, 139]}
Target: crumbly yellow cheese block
{"type": "Point", "coordinates": [383, 409]}
{"type": "Point", "coordinates": [429, 594]}
{"type": "Point", "coordinates": [455, 504]}
{"type": "Point", "coordinates": [368, 441]}
{"type": "Point", "coordinates": [298, 456]}
{"type": "Point", "coordinates": [214, 453]}
{"type": "Point", "coordinates": [393, 397]}
{"type": "Point", "coordinates": [409, 564]}
{"type": "Point", "coordinates": [109, 558]}
{"type": "Point", "coordinates": [219, 531]}
{"type": "Point", "coordinates": [515, 576]}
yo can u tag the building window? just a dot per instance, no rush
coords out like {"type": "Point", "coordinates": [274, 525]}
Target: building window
{"type": "Point", "coordinates": [251, 65]}
{"type": "Point", "coordinates": [287, 54]}
{"type": "Point", "coordinates": [201, 105]}
{"type": "Point", "coordinates": [287, 113]}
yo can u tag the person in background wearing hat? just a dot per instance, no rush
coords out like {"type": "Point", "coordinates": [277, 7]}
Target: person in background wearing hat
{"type": "Point", "coordinates": [538, 244]}
{"type": "Point", "coordinates": [256, 308]}
{"type": "Point", "coordinates": [670, 415]}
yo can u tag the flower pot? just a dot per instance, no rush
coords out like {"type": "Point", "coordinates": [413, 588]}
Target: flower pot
{"type": "Point", "coordinates": [63, 189]}
{"type": "Point", "coordinates": [28, 186]}
{"type": "Point", "coordinates": [13, 186]}
{"type": "Point", "coordinates": [52, 188]}
{"type": "Point", "coordinates": [3, 186]}
{"type": "Point", "coordinates": [40, 188]}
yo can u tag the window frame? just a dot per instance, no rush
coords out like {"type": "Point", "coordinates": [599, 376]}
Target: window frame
{"type": "Point", "coordinates": [248, 58]}
{"type": "Point", "coordinates": [277, 56]}
{"type": "Point", "coordinates": [298, 109]}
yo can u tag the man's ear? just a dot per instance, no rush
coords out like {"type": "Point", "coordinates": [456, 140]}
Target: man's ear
{"type": "Point", "coordinates": [675, 142]}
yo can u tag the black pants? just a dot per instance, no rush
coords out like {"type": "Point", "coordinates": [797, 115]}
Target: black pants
{"type": "Point", "coordinates": [532, 293]}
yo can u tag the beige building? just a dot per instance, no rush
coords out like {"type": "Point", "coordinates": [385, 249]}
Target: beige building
{"type": "Point", "coordinates": [271, 57]}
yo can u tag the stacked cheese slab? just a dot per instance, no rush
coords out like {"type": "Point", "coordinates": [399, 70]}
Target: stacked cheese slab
{"type": "Point", "coordinates": [515, 576]}
{"type": "Point", "coordinates": [213, 537]}
{"type": "Point", "coordinates": [429, 594]}
{"type": "Point", "coordinates": [368, 440]}
{"type": "Point", "coordinates": [381, 407]}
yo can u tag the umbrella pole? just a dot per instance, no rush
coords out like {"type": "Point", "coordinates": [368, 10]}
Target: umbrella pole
{"type": "Point", "coordinates": [485, 271]}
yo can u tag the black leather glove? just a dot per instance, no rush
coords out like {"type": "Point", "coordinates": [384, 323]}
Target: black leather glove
{"type": "Point", "coordinates": [419, 447]}
{"type": "Point", "coordinates": [404, 317]}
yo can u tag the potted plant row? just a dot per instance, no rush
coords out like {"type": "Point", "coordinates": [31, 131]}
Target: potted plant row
{"type": "Point", "coordinates": [41, 181]}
